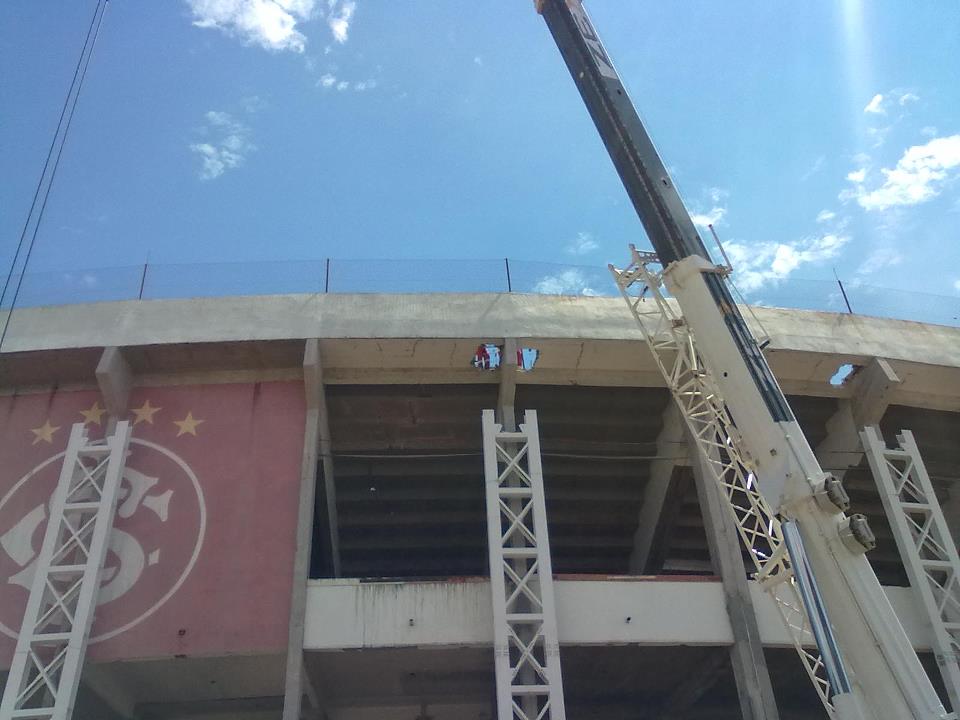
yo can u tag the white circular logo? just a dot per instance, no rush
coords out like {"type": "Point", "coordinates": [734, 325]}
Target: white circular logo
{"type": "Point", "coordinates": [156, 538]}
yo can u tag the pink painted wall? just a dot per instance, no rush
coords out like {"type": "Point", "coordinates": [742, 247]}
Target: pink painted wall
{"type": "Point", "coordinates": [201, 554]}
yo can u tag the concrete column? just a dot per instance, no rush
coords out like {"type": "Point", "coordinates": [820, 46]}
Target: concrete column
{"type": "Point", "coordinates": [746, 654]}
{"type": "Point", "coordinates": [671, 451]}
{"type": "Point", "coordinates": [296, 684]}
{"type": "Point", "coordinates": [506, 408]}
{"type": "Point", "coordinates": [115, 378]}
{"type": "Point", "coordinates": [872, 388]}
{"type": "Point", "coordinates": [313, 384]}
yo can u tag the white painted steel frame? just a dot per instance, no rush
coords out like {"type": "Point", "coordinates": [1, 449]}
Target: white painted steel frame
{"type": "Point", "coordinates": [526, 649]}
{"type": "Point", "coordinates": [48, 660]}
{"type": "Point", "coordinates": [875, 671]}
{"type": "Point", "coordinates": [714, 434]}
{"type": "Point", "coordinates": [926, 546]}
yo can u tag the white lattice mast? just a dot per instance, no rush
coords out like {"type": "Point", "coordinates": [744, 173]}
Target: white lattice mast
{"type": "Point", "coordinates": [784, 566]}
{"type": "Point", "coordinates": [926, 546]}
{"type": "Point", "coordinates": [48, 660]}
{"type": "Point", "coordinates": [713, 431]}
{"type": "Point", "coordinates": [526, 648]}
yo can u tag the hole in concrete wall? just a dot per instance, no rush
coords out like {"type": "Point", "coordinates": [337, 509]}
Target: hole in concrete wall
{"type": "Point", "coordinates": [527, 358]}
{"type": "Point", "coordinates": [487, 357]}
{"type": "Point", "coordinates": [843, 374]}
{"type": "Point", "coordinates": [490, 357]}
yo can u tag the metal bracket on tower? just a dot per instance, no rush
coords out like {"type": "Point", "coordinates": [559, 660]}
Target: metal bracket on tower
{"type": "Point", "coordinates": [48, 660]}
{"type": "Point", "coordinates": [926, 547]}
{"type": "Point", "coordinates": [526, 648]}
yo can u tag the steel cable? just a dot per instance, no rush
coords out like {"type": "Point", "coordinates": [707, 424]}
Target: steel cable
{"type": "Point", "coordinates": [69, 107]}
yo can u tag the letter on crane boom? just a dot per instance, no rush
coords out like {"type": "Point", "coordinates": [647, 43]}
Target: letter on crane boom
{"type": "Point", "coordinates": [887, 676]}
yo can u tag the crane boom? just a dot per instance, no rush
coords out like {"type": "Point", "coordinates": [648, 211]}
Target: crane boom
{"type": "Point", "coordinates": [812, 547]}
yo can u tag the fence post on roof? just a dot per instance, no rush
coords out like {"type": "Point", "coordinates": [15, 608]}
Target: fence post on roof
{"type": "Point", "coordinates": [845, 300]}
{"type": "Point", "coordinates": [143, 281]}
{"type": "Point", "coordinates": [326, 279]}
{"type": "Point", "coordinates": [506, 264]}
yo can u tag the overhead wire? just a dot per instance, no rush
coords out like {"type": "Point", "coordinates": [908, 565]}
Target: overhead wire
{"type": "Point", "coordinates": [68, 109]}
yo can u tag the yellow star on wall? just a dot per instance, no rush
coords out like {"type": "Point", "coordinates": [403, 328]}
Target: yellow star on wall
{"type": "Point", "coordinates": [144, 413]}
{"type": "Point", "coordinates": [44, 432]}
{"type": "Point", "coordinates": [187, 425]}
{"type": "Point", "coordinates": [94, 414]}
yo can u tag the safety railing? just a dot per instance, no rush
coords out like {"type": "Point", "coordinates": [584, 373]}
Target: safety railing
{"type": "Point", "coordinates": [188, 280]}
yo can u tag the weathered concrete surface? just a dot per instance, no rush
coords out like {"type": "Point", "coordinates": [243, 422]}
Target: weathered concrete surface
{"type": "Point", "coordinates": [344, 614]}
{"type": "Point", "coordinates": [442, 316]}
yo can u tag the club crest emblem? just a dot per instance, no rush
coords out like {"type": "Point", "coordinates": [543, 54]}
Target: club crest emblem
{"type": "Point", "coordinates": [157, 535]}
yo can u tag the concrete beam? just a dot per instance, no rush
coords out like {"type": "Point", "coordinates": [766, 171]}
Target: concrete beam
{"type": "Point", "coordinates": [672, 451]}
{"type": "Point", "coordinates": [114, 377]}
{"type": "Point", "coordinates": [754, 689]}
{"type": "Point", "coordinates": [873, 392]}
{"type": "Point", "coordinates": [873, 389]}
{"type": "Point", "coordinates": [437, 316]}
{"type": "Point", "coordinates": [347, 614]}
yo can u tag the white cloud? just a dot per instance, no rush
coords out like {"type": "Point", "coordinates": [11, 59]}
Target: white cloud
{"type": "Point", "coordinates": [878, 136]}
{"type": "Point", "coordinates": [761, 264]}
{"type": "Point", "coordinates": [254, 103]}
{"type": "Point", "coordinates": [271, 24]}
{"type": "Point", "coordinates": [928, 131]}
{"type": "Point", "coordinates": [714, 216]}
{"type": "Point", "coordinates": [582, 244]}
{"type": "Point", "coordinates": [228, 150]}
{"type": "Point", "coordinates": [814, 169]}
{"type": "Point", "coordinates": [857, 176]}
{"type": "Point", "coordinates": [878, 259]}
{"type": "Point", "coordinates": [825, 216]}
{"type": "Point", "coordinates": [341, 13]}
{"type": "Point", "coordinates": [717, 194]}
{"type": "Point", "coordinates": [567, 282]}
{"type": "Point", "coordinates": [477, 60]}
{"type": "Point", "coordinates": [918, 176]}
{"type": "Point", "coordinates": [956, 285]}
{"type": "Point", "coordinates": [875, 106]}
{"type": "Point", "coordinates": [218, 119]}
{"type": "Point", "coordinates": [329, 80]}
{"type": "Point", "coordinates": [907, 97]}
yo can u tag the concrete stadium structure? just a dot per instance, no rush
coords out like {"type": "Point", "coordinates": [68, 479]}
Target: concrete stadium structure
{"type": "Point", "coordinates": [337, 556]}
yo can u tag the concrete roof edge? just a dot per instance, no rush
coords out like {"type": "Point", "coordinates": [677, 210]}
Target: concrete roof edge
{"type": "Point", "coordinates": [275, 317]}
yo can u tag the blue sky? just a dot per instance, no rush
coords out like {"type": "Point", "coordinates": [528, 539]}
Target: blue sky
{"type": "Point", "coordinates": [816, 135]}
